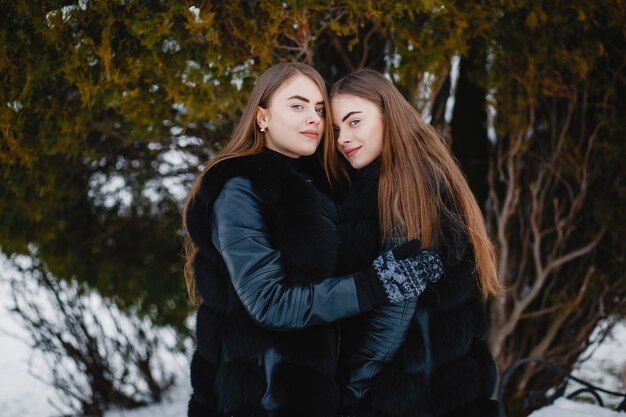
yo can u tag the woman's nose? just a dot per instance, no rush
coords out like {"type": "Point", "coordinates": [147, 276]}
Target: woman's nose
{"type": "Point", "coordinates": [314, 118]}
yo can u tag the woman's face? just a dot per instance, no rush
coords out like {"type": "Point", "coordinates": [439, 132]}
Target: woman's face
{"type": "Point", "coordinates": [359, 127]}
{"type": "Point", "coordinates": [294, 119]}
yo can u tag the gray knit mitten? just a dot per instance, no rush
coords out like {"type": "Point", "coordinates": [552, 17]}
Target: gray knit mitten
{"type": "Point", "coordinates": [407, 277]}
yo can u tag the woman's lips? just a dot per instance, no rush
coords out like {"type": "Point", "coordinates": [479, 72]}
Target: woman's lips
{"type": "Point", "coordinates": [350, 152]}
{"type": "Point", "coordinates": [311, 134]}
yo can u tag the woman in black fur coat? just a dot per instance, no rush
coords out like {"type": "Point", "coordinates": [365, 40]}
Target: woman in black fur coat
{"type": "Point", "coordinates": [261, 246]}
{"type": "Point", "coordinates": [407, 185]}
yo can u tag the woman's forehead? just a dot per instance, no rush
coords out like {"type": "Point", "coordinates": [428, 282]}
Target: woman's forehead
{"type": "Point", "coordinates": [301, 86]}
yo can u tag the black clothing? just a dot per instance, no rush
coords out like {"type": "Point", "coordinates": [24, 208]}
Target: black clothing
{"type": "Point", "coordinates": [266, 241]}
{"type": "Point", "coordinates": [255, 269]}
{"type": "Point", "coordinates": [444, 367]}
{"type": "Point", "coordinates": [240, 368]}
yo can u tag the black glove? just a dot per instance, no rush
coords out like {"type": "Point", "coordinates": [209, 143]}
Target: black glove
{"type": "Point", "coordinates": [399, 274]}
{"type": "Point", "coordinates": [407, 249]}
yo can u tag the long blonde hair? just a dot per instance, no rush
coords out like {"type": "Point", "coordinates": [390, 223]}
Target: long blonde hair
{"type": "Point", "coordinates": [248, 140]}
{"type": "Point", "coordinates": [421, 185]}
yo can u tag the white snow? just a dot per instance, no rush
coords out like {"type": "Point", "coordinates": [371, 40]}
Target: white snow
{"type": "Point", "coordinates": [175, 405]}
{"type": "Point", "coordinates": [21, 393]}
{"type": "Point", "coordinates": [605, 365]}
{"type": "Point", "coordinates": [563, 407]}
{"type": "Point", "coordinates": [25, 393]}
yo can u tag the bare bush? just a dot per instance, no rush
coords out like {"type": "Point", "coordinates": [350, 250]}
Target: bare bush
{"type": "Point", "coordinates": [540, 205]}
{"type": "Point", "coordinates": [99, 358]}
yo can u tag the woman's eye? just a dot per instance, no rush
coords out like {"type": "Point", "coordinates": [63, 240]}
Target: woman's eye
{"type": "Point", "coordinates": [297, 106]}
{"type": "Point", "coordinates": [354, 122]}
{"type": "Point", "coordinates": [321, 111]}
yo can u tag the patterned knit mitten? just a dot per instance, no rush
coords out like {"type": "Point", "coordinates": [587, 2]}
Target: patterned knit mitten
{"type": "Point", "coordinates": [404, 273]}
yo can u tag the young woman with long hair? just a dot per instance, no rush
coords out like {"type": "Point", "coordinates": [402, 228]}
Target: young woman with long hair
{"type": "Point", "coordinates": [406, 184]}
{"type": "Point", "coordinates": [261, 256]}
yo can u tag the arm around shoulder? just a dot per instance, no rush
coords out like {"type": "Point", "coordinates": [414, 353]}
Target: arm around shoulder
{"type": "Point", "coordinates": [241, 236]}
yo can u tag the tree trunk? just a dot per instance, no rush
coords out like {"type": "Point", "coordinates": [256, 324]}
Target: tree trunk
{"type": "Point", "coordinates": [333, 58]}
{"type": "Point", "coordinates": [470, 143]}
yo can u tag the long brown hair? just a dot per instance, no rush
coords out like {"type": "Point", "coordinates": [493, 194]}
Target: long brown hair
{"type": "Point", "coordinates": [421, 185]}
{"type": "Point", "coordinates": [247, 139]}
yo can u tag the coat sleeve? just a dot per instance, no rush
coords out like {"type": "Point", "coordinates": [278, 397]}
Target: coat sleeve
{"type": "Point", "coordinates": [385, 329]}
{"type": "Point", "coordinates": [256, 273]}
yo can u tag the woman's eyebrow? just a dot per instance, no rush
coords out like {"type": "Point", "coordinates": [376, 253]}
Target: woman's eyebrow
{"type": "Point", "coordinates": [350, 114]}
{"type": "Point", "coordinates": [306, 100]}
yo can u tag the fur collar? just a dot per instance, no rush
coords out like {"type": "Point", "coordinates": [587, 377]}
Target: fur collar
{"type": "Point", "coordinates": [291, 207]}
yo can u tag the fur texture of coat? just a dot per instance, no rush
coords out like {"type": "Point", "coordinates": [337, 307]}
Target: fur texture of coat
{"type": "Point", "coordinates": [227, 373]}
{"type": "Point", "coordinates": [444, 367]}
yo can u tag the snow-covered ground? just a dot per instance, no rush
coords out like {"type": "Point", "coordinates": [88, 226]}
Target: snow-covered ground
{"type": "Point", "coordinates": [175, 405]}
{"type": "Point", "coordinates": [24, 394]}
{"type": "Point", "coordinates": [21, 393]}
{"type": "Point", "coordinates": [605, 367]}
{"type": "Point", "coordinates": [24, 391]}
{"type": "Point", "coordinates": [568, 408]}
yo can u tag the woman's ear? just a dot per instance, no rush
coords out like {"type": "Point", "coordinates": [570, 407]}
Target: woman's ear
{"type": "Point", "coordinates": [261, 117]}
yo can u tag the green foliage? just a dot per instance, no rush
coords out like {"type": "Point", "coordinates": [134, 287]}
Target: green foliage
{"type": "Point", "coordinates": [95, 88]}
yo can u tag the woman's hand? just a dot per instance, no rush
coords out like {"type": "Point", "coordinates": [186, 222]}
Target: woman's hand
{"type": "Point", "coordinates": [405, 270]}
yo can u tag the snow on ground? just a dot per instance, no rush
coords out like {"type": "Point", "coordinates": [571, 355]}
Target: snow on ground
{"type": "Point", "coordinates": [605, 366]}
{"type": "Point", "coordinates": [568, 408]}
{"type": "Point", "coordinates": [25, 395]}
{"type": "Point", "coordinates": [175, 405]}
{"type": "Point", "coordinates": [21, 393]}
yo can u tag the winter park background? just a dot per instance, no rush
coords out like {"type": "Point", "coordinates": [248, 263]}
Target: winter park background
{"type": "Point", "coordinates": [109, 109]}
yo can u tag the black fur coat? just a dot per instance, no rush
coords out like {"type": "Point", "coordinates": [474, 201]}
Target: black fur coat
{"type": "Point", "coordinates": [227, 370]}
{"type": "Point", "coordinates": [444, 367]}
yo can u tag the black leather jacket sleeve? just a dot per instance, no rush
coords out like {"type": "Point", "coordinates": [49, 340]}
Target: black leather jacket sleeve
{"type": "Point", "coordinates": [385, 330]}
{"type": "Point", "coordinates": [254, 267]}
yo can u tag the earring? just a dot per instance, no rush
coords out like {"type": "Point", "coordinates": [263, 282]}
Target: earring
{"type": "Point", "coordinates": [262, 130]}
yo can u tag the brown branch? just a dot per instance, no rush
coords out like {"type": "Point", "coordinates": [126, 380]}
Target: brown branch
{"type": "Point", "coordinates": [540, 349]}
{"type": "Point", "coordinates": [507, 174]}
{"type": "Point", "coordinates": [334, 41]}
{"type": "Point", "coordinates": [441, 80]}
{"type": "Point", "coordinates": [542, 312]}
{"type": "Point", "coordinates": [365, 44]}
{"type": "Point", "coordinates": [576, 253]}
